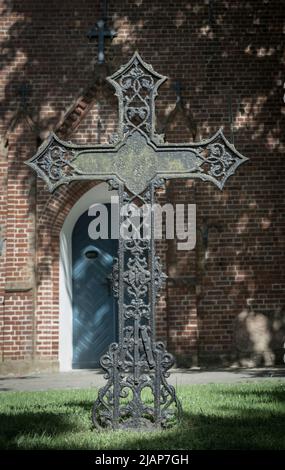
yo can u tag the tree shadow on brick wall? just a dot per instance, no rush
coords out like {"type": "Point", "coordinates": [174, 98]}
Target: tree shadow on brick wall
{"type": "Point", "coordinates": [229, 60]}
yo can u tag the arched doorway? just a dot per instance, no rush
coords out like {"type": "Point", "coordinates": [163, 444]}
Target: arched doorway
{"type": "Point", "coordinates": [94, 307]}
{"type": "Point", "coordinates": [98, 194]}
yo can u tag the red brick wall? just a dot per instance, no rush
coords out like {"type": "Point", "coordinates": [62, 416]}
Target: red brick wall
{"type": "Point", "coordinates": [239, 276]}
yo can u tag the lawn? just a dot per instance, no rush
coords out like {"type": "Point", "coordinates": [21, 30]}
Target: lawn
{"type": "Point", "coordinates": [243, 416]}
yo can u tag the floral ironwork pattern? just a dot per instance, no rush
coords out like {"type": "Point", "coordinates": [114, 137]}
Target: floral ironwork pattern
{"type": "Point", "coordinates": [137, 362]}
{"type": "Point", "coordinates": [54, 162]}
{"type": "Point", "coordinates": [136, 85]}
{"type": "Point", "coordinates": [159, 276]}
{"type": "Point", "coordinates": [137, 276]}
{"type": "Point", "coordinates": [219, 160]}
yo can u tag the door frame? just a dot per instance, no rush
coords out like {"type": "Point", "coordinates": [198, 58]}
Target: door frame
{"type": "Point", "coordinates": [97, 194]}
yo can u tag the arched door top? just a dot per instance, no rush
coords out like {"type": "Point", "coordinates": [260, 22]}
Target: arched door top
{"type": "Point", "coordinates": [97, 194]}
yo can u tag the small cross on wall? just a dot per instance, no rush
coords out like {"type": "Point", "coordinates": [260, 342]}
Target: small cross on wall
{"type": "Point", "coordinates": [101, 31]}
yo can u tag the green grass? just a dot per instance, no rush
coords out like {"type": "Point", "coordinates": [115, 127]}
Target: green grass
{"type": "Point", "coordinates": [243, 416]}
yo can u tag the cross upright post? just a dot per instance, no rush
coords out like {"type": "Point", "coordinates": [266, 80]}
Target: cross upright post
{"type": "Point", "coordinates": [136, 163]}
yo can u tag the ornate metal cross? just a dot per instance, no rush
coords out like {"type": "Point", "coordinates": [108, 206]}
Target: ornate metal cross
{"type": "Point", "coordinates": [136, 163]}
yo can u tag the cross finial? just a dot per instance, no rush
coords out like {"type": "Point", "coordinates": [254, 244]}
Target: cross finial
{"type": "Point", "coordinates": [101, 31]}
{"type": "Point", "coordinates": [136, 85]}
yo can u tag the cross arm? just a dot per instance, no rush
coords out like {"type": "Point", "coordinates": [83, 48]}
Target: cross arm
{"type": "Point", "coordinates": [55, 162]}
{"type": "Point", "coordinates": [214, 160]}
{"type": "Point", "coordinates": [98, 30]}
{"type": "Point", "coordinates": [136, 161]}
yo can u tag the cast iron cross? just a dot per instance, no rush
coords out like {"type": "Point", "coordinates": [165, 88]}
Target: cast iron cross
{"type": "Point", "coordinates": [101, 31]}
{"type": "Point", "coordinates": [136, 163]}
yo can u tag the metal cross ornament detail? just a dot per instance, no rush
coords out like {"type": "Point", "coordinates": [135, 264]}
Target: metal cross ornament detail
{"type": "Point", "coordinates": [135, 163]}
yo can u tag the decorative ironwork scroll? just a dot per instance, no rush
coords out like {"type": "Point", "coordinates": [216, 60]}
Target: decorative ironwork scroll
{"type": "Point", "coordinates": [136, 163]}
